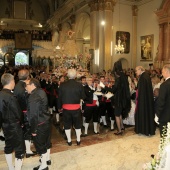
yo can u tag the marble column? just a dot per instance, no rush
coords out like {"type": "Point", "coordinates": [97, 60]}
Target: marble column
{"type": "Point", "coordinates": [94, 31]}
{"type": "Point", "coordinates": [108, 13]}
{"type": "Point", "coordinates": [101, 36]}
{"type": "Point", "coordinates": [161, 40]}
{"type": "Point", "coordinates": [165, 43]}
{"type": "Point", "coordinates": [134, 36]}
{"type": "Point", "coordinates": [167, 31]}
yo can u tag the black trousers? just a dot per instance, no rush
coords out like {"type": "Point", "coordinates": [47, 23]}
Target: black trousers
{"type": "Point", "coordinates": [110, 110]}
{"type": "Point", "coordinates": [42, 140]}
{"type": "Point", "coordinates": [52, 101]}
{"type": "Point", "coordinates": [26, 128]}
{"type": "Point", "coordinates": [14, 140]}
{"type": "Point", "coordinates": [72, 118]}
{"type": "Point", "coordinates": [91, 112]}
{"type": "Point", "coordinates": [102, 109]}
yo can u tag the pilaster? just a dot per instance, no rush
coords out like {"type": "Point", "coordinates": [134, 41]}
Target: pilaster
{"type": "Point", "coordinates": [134, 36]}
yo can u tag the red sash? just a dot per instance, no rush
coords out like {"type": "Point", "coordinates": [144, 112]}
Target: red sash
{"type": "Point", "coordinates": [92, 104]}
{"type": "Point", "coordinates": [71, 106]}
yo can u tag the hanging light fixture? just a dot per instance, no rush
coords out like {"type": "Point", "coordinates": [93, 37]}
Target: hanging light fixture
{"type": "Point", "coordinates": [119, 49]}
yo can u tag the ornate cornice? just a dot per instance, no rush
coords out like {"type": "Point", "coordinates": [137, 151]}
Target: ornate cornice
{"type": "Point", "coordinates": [100, 5]}
{"type": "Point", "coordinates": [93, 6]}
{"type": "Point", "coordinates": [109, 5]}
{"type": "Point", "coordinates": [134, 10]}
{"type": "Point", "coordinates": [163, 13]}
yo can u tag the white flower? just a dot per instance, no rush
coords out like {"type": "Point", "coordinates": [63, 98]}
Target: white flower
{"type": "Point", "coordinates": [159, 161]}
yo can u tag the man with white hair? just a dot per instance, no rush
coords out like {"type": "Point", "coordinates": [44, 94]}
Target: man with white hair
{"type": "Point", "coordinates": [71, 93]}
{"type": "Point", "coordinates": [163, 102]}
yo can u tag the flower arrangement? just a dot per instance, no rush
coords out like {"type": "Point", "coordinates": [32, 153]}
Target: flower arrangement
{"type": "Point", "coordinates": [160, 160]}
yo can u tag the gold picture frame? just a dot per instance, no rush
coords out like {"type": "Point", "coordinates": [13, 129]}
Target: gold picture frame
{"type": "Point", "coordinates": [147, 47]}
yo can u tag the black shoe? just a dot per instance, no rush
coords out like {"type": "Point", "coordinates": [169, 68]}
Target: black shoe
{"type": "Point", "coordinates": [118, 133]}
{"type": "Point", "coordinates": [49, 162]}
{"type": "Point", "coordinates": [101, 124]}
{"type": "Point", "coordinates": [27, 155]}
{"type": "Point", "coordinates": [123, 129]}
{"type": "Point", "coordinates": [84, 135]}
{"type": "Point", "coordinates": [106, 126]}
{"type": "Point", "coordinates": [96, 133]}
{"type": "Point", "coordinates": [112, 129]}
{"type": "Point", "coordinates": [78, 143]}
{"type": "Point", "coordinates": [69, 143]}
{"type": "Point", "coordinates": [36, 168]}
{"type": "Point", "coordinates": [2, 138]}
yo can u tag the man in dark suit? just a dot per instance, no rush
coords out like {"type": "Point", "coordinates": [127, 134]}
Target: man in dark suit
{"type": "Point", "coordinates": [10, 121]}
{"type": "Point", "coordinates": [163, 102]}
{"type": "Point", "coordinates": [70, 95]}
{"type": "Point", "coordinates": [39, 120]}
{"type": "Point", "coordinates": [22, 97]}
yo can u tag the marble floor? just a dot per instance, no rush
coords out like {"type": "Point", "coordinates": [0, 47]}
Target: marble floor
{"type": "Point", "coordinates": [104, 151]}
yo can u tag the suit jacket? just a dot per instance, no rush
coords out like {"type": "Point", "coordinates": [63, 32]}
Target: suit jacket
{"type": "Point", "coordinates": [89, 94]}
{"type": "Point", "coordinates": [21, 94]}
{"type": "Point", "coordinates": [37, 108]}
{"type": "Point", "coordinates": [70, 92]}
{"type": "Point", "coordinates": [10, 111]}
{"type": "Point", "coordinates": [163, 102]}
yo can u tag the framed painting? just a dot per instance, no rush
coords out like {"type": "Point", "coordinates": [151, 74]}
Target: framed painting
{"type": "Point", "coordinates": [124, 40]}
{"type": "Point", "coordinates": [147, 47]}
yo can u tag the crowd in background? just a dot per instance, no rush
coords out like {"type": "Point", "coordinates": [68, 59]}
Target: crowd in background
{"type": "Point", "coordinates": [51, 80]}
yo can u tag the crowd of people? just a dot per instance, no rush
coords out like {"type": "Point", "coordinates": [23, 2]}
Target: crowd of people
{"type": "Point", "coordinates": [110, 99]}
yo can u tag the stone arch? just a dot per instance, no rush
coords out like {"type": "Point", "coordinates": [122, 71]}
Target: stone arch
{"type": "Point", "coordinates": [83, 26]}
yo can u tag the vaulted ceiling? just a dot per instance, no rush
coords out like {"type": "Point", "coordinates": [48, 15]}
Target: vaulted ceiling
{"type": "Point", "coordinates": [37, 12]}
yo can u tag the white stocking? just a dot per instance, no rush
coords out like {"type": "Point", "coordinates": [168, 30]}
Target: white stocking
{"type": "Point", "coordinates": [78, 133]}
{"type": "Point", "coordinates": [28, 146]}
{"type": "Point", "coordinates": [112, 124]}
{"type": "Point", "coordinates": [86, 125]}
{"type": "Point", "coordinates": [18, 163]}
{"type": "Point", "coordinates": [104, 120]}
{"type": "Point", "coordinates": [9, 161]}
{"type": "Point", "coordinates": [95, 126]}
{"type": "Point", "coordinates": [68, 134]}
{"type": "Point", "coordinates": [43, 161]}
{"type": "Point", "coordinates": [48, 154]}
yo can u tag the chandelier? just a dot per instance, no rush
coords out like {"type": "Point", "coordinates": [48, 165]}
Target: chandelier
{"type": "Point", "coordinates": [119, 49]}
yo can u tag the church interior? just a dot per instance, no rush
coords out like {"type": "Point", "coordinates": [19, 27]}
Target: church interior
{"type": "Point", "coordinates": [92, 34]}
